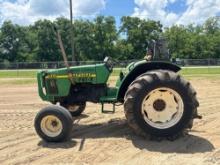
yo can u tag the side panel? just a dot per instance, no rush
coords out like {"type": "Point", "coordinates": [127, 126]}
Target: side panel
{"type": "Point", "coordinates": [138, 69]}
{"type": "Point", "coordinates": [102, 74]}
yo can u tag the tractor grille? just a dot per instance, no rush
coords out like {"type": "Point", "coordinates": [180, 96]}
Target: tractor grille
{"type": "Point", "coordinates": [51, 86]}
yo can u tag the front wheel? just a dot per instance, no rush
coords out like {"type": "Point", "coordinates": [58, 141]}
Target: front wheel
{"type": "Point", "coordinates": [160, 104]}
{"type": "Point", "coordinates": [53, 124]}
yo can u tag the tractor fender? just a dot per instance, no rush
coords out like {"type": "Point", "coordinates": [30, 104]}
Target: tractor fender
{"type": "Point", "coordinates": [140, 69]}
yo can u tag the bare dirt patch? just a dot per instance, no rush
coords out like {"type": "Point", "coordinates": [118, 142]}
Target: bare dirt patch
{"type": "Point", "coordinates": [104, 138]}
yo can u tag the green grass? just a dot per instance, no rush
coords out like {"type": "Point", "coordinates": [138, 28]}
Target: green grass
{"type": "Point", "coordinates": [32, 73]}
{"type": "Point", "coordinates": [21, 77]}
{"type": "Point", "coordinates": [199, 71]}
{"type": "Point", "coordinates": [25, 81]}
{"type": "Point", "coordinates": [18, 73]}
{"type": "Point", "coordinates": [212, 71]}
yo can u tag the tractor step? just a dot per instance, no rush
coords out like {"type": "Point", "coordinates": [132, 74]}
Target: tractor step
{"type": "Point", "coordinates": [108, 100]}
{"type": "Point", "coordinates": [108, 111]}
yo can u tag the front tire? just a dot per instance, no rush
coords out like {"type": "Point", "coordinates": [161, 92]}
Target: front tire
{"type": "Point", "coordinates": [53, 124]}
{"type": "Point", "coordinates": [160, 104]}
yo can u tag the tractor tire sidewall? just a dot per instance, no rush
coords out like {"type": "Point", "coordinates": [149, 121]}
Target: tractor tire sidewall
{"type": "Point", "coordinates": [181, 89]}
{"type": "Point", "coordinates": [65, 118]}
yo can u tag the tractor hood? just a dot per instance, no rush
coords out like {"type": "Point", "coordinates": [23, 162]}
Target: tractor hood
{"type": "Point", "coordinates": [57, 82]}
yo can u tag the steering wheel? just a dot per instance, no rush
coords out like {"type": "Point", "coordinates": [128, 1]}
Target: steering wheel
{"type": "Point", "coordinates": [109, 63]}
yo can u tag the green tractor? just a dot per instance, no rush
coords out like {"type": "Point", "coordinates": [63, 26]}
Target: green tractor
{"type": "Point", "coordinates": [157, 101]}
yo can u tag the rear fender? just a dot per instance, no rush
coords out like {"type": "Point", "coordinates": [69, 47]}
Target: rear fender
{"type": "Point", "coordinates": [141, 69]}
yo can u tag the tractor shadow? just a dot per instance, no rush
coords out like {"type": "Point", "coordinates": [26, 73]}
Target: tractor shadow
{"type": "Point", "coordinates": [64, 145]}
{"type": "Point", "coordinates": [118, 128]}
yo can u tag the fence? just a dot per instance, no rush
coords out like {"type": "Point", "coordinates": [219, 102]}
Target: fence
{"type": "Point", "coordinates": [118, 64]}
{"type": "Point", "coordinates": [201, 62]}
{"type": "Point", "coordinates": [53, 65]}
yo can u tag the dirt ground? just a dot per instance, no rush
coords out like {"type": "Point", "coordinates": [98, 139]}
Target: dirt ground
{"type": "Point", "coordinates": [105, 138]}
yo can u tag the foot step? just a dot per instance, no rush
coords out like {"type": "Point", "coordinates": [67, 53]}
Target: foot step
{"type": "Point", "coordinates": [108, 111]}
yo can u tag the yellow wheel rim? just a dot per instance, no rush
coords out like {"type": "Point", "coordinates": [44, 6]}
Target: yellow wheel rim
{"type": "Point", "coordinates": [51, 126]}
{"type": "Point", "coordinates": [162, 108]}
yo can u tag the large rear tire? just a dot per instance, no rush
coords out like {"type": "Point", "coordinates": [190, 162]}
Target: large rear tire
{"type": "Point", "coordinates": [160, 104]}
{"type": "Point", "coordinates": [53, 124]}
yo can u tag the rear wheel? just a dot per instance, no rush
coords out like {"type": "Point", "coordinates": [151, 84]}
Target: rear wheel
{"type": "Point", "coordinates": [160, 104]}
{"type": "Point", "coordinates": [75, 109]}
{"type": "Point", "coordinates": [53, 124]}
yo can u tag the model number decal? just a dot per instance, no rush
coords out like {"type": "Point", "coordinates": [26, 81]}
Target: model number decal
{"type": "Point", "coordinates": [74, 75]}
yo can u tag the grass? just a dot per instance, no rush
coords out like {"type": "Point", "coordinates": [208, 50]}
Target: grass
{"type": "Point", "coordinates": [12, 81]}
{"type": "Point", "coordinates": [21, 77]}
{"type": "Point", "coordinates": [184, 71]}
{"type": "Point", "coordinates": [200, 71]}
{"type": "Point", "coordinates": [18, 73]}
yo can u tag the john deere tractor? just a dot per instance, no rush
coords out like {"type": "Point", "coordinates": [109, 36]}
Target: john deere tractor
{"type": "Point", "coordinates": [157, 101]}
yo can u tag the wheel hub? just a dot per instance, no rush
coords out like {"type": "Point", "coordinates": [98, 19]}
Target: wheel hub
{"type": "Point", "coordinates": [162, 108]}
{"type": "Point", "coordinates": [54, 123]}
{"type": "Point", "coordinates": [159, 105]}
{"type": "Point", "coordinates": [51, 126]}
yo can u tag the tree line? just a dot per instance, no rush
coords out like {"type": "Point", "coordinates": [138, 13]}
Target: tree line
{"type": "Point", "coordinates": [100, 37]}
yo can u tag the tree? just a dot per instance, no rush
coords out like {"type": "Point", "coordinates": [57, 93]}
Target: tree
{"type": "Point", "coordinates": [212, 25]}
{"type": "Point", "coordinates": [105, 37]}
{"type": "Point", "coordinates": [194, 42]}
{"type": "Point", "coordinates": [212, 31]}
{"type": "Point", "coordinates": [124, 50]}
{"type": "Point", "coordinates": [1, 48]}
{"type": "Point", "coordinates": [95, 39]}
{"type": "Point", "coordinates": [12, 42]}
{"type": "Point", "coordinates": [84, 40]}
{"type": "Point", "coordinates": [178, 37]}
{"type": "Point", "coordinates": [138, 33]}
{"type": "Point", "coordinates": [64, 26]}
{"type": "Point", "coordinates": [47, 45]}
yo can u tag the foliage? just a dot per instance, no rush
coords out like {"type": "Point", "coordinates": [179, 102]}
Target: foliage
{"type": "Point", "coordinates": [138, 34]}
{"type": "Point", "coordinates": [100, 37]}
{"type": "Point", "coordinates": [195, 42]}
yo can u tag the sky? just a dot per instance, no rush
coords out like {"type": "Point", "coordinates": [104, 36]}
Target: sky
{"type": "Point", "coordinates": [169, 12]}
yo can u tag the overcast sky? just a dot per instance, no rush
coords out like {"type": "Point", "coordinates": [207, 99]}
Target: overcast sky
{"type": "Point", "coordinates": [169, 12]}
